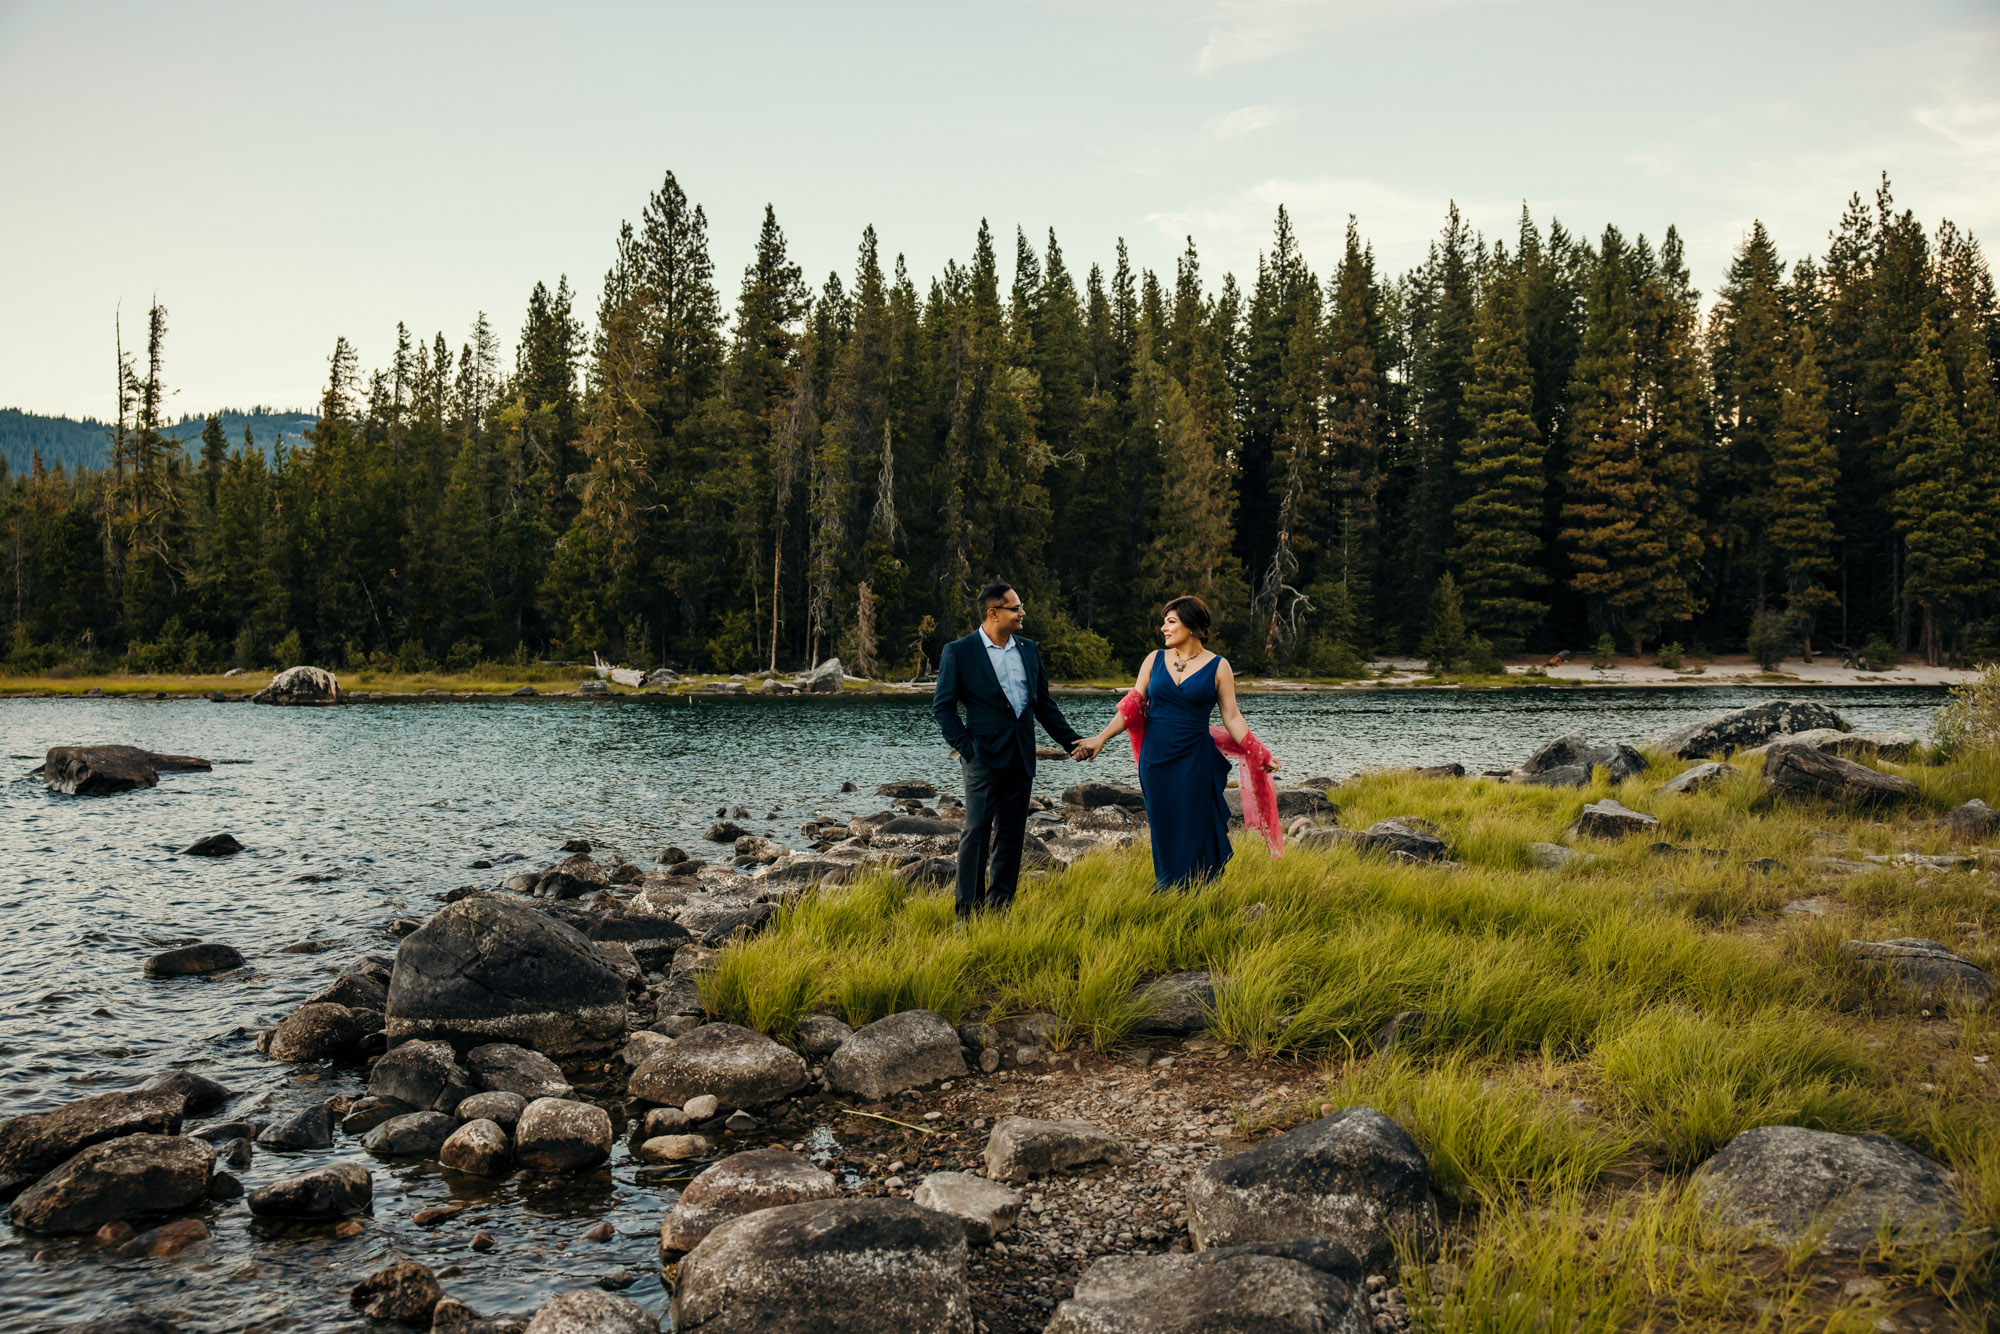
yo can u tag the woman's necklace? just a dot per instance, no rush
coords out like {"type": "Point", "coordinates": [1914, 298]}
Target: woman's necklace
{"type": "Point", "coordinates": [1181, 664]}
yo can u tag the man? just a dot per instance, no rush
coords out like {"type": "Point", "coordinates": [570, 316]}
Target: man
{"type": "Point", "coordinates": [996, 674]}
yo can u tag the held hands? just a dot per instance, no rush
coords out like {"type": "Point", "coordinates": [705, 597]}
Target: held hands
{"type": "Point", "coordinates": [1086, 749]}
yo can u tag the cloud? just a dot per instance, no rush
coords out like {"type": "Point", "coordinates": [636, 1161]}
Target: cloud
{"type": "Point", "coordinates": [1241, 31]}
{"type": "Point", "coordinates": [1248, 120]}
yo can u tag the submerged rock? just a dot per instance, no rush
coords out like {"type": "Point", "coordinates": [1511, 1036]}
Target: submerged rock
{"type": "Point", "coordinates": [195, 960]}
{"type": "Point", "coordinates": [491, 970]}
{"type": "Point", "coordinates": [98, 771]}
{"type": "Point", "coordinates": [334, 1191]}
{"type": "Point", "coordinates": [855, 1266]}
{"type": "Point", "coordinates": [319, 1031]}
{"type": "Point", "coordinates": [405, 1292]}
{"type": "Point", "coordinates": [1784, 1181]}
{"type": "Point", "coordinates": [1355, 1177]}
{"type": "Point", "coordinates": [122, 1178]}
{"type": "Point", "coordinates": [215, 845]}
{"type": "Point", "coordinates": [740, 1184]}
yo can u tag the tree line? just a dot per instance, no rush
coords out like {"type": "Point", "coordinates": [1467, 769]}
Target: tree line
{"type": "Point", "coordinates": [1543, 431]}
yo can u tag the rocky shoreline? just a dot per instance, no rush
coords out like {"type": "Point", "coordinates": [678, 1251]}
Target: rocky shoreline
{"type": "Point", "coordinates": [993, 1179]}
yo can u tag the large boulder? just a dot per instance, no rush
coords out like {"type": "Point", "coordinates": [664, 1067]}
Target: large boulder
{"type": "Point", "coordinates": [1021, 1147]}
{"type": "Point", "coordinates": [501, 1067]}
{"type": "Point", "coordinates": [591, 1311]}
{"type": "Point", "coordinates": [1801, 771]}
{"type": "Point", "coordinates": [741, 1183]}
{"type": "Point", "coordinates": [1973, 819]}
{"type": "Point", "coordinates": [403, 1291]}
{"type": "Point", "coordinates": [122, 1178]}
{"type": "Point", "coordinates": [562, 1135]}
{"type": "Point", "coordinates": [1922, 971]}
{"type": "Point", "coordinates": [333, 1191]}
{"type": "Point", "coordinates": [740, 1067]}
{"type": "Point", "coordinates": [855, 1266]}
{"type": "Point", "coordinates": [321, 1031]}
{"type": "Point", "coordinates": [1572, 751]}
{"type": "Point", "coordinates": [1785, 1181]}
{"type": "Point", "coordinates": [902, 1051]}
{"type": "Point", "coordinates": [573, 878]}
{"type": "Point", "coordinates": [98, 771]}
{"type": "Point", "coordinates": [426, 1075]}
{"type": "Point", "coordinates": [1174, 1004]}
{"type": "Point", "coordinates": [30, 1145]}
{"type": "Point", "coordinates": [1089, 794]}
{"type": "Point", "coordinates": [304, 1130]}
{"type": "Point", "coordinates": [1740, 729]}
{"type": "Point", "coordinates": [824, 679]}
{"type": "Point", "coordinates": [492, 970]}
{"type": "Point", "coordinates": [300, 686]}
{"type": "Point", "coordinates": [198, 1093]}
{"type": "Point", "coordinates": [1308, 1286]}
{"type": "Point", "coordinates": [480, 1148]}
{"type": "Point", "coordinates": [1699, 777]}
{"type": "Point", "coordinates": [1355, 1177]}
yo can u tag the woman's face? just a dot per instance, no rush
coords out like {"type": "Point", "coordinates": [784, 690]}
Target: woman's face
{"type": "Point", "coordinates": [1174, 633]}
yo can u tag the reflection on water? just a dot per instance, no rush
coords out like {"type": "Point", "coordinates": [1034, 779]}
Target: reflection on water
{"type": "Point", "coordinates": [352, 816]}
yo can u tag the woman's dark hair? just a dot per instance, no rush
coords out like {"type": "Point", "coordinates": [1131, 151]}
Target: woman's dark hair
{"type": "Point", "coordinates": [1193, 613]}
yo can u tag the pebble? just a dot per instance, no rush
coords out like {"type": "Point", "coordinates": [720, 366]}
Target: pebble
{"type": "Point", "coordinates": [350, 1228]}
{"type": "Point", "coordinates": [483, 1242]}
{"type": "Point", "coordinates": [436, 1214]}
{"type": "Point", "coordinates": [601, 1232]}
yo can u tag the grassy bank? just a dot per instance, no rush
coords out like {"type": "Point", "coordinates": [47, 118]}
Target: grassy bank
{"type": "Point", "coordinates": [1590, 1036]}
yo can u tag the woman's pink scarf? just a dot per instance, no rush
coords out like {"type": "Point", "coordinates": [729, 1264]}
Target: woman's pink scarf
{"type": "Point", "coordinates": [1260, 794]}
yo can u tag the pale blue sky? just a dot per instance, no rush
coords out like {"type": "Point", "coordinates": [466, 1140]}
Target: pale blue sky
{"type": "Point", "coordinates": [279, 174]}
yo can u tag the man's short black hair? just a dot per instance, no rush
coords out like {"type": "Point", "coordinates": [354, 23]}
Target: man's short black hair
{"type": "Point", "coordinates": [992, 596]}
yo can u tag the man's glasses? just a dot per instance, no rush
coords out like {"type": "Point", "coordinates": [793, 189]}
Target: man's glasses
{"type": "Point", "coordinates": [1018, 606]}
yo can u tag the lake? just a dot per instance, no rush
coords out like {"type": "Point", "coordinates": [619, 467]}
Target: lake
{"type": "Point", "coordinates": [354, 815]}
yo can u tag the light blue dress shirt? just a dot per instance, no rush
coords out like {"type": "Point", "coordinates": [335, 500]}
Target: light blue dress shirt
{"type": "Point", "coordinates": [1008, 667]}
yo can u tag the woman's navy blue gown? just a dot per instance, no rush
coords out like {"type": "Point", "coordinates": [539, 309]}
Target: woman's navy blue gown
{"type": "Point", "coordinates": [1182, 774]}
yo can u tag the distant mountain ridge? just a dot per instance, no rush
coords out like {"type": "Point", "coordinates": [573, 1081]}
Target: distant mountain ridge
{"type": "Point", "coordinates": [66, 441]}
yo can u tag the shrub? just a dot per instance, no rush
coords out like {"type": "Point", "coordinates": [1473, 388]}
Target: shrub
{"type": "Point", "coordinates": [1481, 658]}
{"type": "Point", "coordinates": [1605, 654]}
{"type": "Point", "coordinates": [1879, 655]}
{"type": "Point", "coordinates": [1327, 657]}
{"type": "Point", "coordinates": [1443, 644]}
{"type": "Point", "coordinates": [1069, 652]}
{"type": "Point", "coordinates": [1670, 656]}
{"type": "Point", "coordinates": [1771, 638]}
{"type": "Point", "coordinates": [1970, 719]}
{"type": "Point", "coordinates": [290, 652]}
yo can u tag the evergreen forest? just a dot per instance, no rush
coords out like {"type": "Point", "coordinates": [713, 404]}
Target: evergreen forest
{"type": "Point", "coordinates": [1547, 436]}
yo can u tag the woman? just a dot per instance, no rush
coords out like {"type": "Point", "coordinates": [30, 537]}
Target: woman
{"type": "Point", "coordinates": [1181, 764]}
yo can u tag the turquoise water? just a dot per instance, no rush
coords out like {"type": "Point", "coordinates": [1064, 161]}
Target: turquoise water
{"type": "Point", "coordinates": [355, 815]}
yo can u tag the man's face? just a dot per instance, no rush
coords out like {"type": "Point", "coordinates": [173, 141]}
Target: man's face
{"type": "Point", "coordinates": [1010, 615]}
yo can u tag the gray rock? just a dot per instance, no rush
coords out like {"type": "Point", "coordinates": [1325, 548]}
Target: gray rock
{"type": "Point", "coordinates": [1556, 857]}
{"type": "Point", "coordinates": [1089, 794]}
{"type": "Point", "coordinates": [562, 1135]}
{"type": "Point", "coordinates": [1922, 971]}
{"type": "Point", "coordinates": [98, 771]}
{"type": "Point", "coordinates": [1740, 729]}
{"type": "Point", "coordinates": [1293, 803]}
{"type": "Point", "coordinates": [198, 1093]}
{"type": "Point", "coordinates": [740, 1184]}
{"type": "Point", "coordinates": [322, 1031]}
{"type": "Point", "coordinates": [1572, 751]}
{"type": "Point", "coordinates": [412, 1135]}
{"type": "Point", "coordinates": [740, 1067]}
{"type": "Point", "coordinates": [300, 1132]}
{"type": "Point", "coordinates": [129, 1177]}
{"type": "Point", "coordinates": [31, 1145]}
{"type": "Point", "coordinates": [907, 789]}
{"type": "Point", "coordinates": [643, 1046]}
{"type": "Point", "coordinates": [1610, 819]}
{"type": "Point", "coordinates": [573, 878]}
{"type": "Point", "coordinates": [1800, 771]}
{"type": "Point", "coordinates": [426, 1075]}
{"type": "Point", "coordinates": [492, 970]}
{"type": "Point", "coordinates": [365, 986]}
{"type": "Point", "coordinates": [1974, 819]}
{"type": "Point", "coordinates": [479, 1147]}
{"type": "Point", "coordinates": [214, 845]}
{"type": "Point", "coordinates": [673, 1148]}
{"type": "Point", "coordinates": [1564, 752]}
{"type": "Point", "coordinates": [1893, 746]}
{"type": "Point", "coordinates": [194, 960]}
{"type": "Point", "coordinates": [334, 1191]}
{"type": "Point", "coordinates": [902, 1051]}
{"type": "Point", "coordinates": [987, 1209]}
{"type": "Point", "coordinates": [592, 1311]}
{"type": "Point", "coordinates": [653, 940]}
{"type": "Point", "coordinates": [404, 1292]}
{"type": "Point", "coordinates": [1700, 777]}
{"type": "Point", "coordinates": [365, 1114]}
{"type": "Point", "coordinates": [1306, 1286]}
{"type": "Point", "coordinates": [1567, 775]}
{"type": "Point", "coordinates": [300, 686]}
{"type": "Point", "coordinates": [1783, 1181]}
{"type": "Point", "coordinates": [1355, 1177]}
{"type": "Point", "coordinates": [856, 1266]}
{"type": "Point", "coordinates": [501, 1067]}
{"type": "Point", "coordinates": [1403, 837]}
{"type": "Point", "coordinates": [1178, 1003]}
{"type": "Point", "coordinates": [503, 1109]}
{"type": "Point", "coordinates": [1020, 1148]}
{"type": "Point", "coordinates": [821, 1035]}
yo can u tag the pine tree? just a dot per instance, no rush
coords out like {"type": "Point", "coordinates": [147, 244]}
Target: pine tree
{"type": "Point", "coordinates": [1747, 352]}
{"type": "Point", "coordinates": [1355, 421]}
{"type": "Point", "coordinates": [1800, 532]}
{"type": "Point", "coordinates": [1497, 526]}
{"type": "Point", "coordinates": [1937, 497]}
{"type": "Point", "coordinates": [1189, 551]}
{"type": "Point", "coordinates": [1444, 639]}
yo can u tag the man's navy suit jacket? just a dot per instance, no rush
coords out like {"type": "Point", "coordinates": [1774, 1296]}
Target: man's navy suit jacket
{"type": "Point", "coordinates": [989, 734]}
